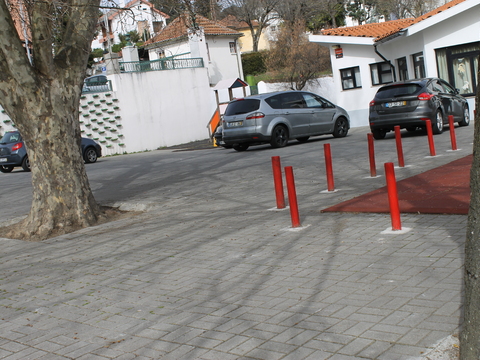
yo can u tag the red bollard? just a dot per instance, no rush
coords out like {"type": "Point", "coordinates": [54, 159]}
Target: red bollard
{"type": "Point", "coordinates": [431, 144]}
{"type": "Point", "coordinates": [328, 164]}
{"type": "Point", "coordinates": [393, 196]}
{"type": "Point", "coordinates": [453, 138]}
{"type": "Point", "coordinates": [398, 139]}
{"type": "Point", "coordinates": [292, 196]}
{"type": "Point", "coordinates": [371, 155]}
{"type": "Point", "coordinates": [277, 180]}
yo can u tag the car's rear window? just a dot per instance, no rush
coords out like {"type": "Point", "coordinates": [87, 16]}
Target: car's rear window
{"type": "Point", "coordinates": [10, 137]}
{"type": "Point", "coordinates": [242, 106]}
{"type": "Point", "coordinates": [398, 90]}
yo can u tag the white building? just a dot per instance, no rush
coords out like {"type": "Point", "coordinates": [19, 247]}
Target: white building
{"type": "Point", "coordinates": [216, 44]}
{"type": "Point", "coordinates": [141, 16]}
{"type": "Point", "coordinates": [443, 43]}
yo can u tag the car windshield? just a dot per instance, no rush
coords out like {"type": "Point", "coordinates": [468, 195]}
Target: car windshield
{"type": "Point", "coordinates": [242, 106]}
{"type": "Point", "coordinates": [10, 137]}
{"type": "Point", "coordinates": [398, 90]}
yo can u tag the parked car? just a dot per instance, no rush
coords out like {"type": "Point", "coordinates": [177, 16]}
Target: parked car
{"type": "Point", "coordinates": [277, 117]}
{"type": "Point", "coordinates": [13, 152]}
{"type": "Point", "coordinates": [409, 103]}
{"type": "Point", "coordinates": [95, 83]}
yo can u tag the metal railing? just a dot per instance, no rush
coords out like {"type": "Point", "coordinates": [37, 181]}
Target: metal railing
{"type": "Point", "coordinates": [93, 87]}
{"type": "Point", "coordinates": [161, 64]}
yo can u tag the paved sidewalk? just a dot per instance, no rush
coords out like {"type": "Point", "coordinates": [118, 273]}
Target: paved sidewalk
{"type": "Point", "coordinates": [213, 272]}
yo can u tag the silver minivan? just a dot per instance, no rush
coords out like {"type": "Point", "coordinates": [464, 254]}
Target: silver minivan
{"type": "Point", "coordinates": [278, 117]}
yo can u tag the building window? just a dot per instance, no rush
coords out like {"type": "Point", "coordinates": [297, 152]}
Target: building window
{"type": "Point", "coordinates": [402, 69]}
{"type": "Point", "coordinates": [419, 65]}
{"type": "Point", "coordinates": [381, 73]}
{"type": "Point", "coordinates": [233, 48]}
{"type": "Point", "coordinates": [351, 78]}
{"type": "Point", "coordinates": [459, 66]}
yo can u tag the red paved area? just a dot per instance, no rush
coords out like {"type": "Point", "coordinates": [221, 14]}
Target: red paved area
{"type": "Point", "coordinates": [443, 190]}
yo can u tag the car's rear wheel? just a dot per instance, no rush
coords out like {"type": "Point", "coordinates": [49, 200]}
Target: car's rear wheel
{"type": "Point", "coordinates": [6, 168]}
{"type": "Point", "coordinates": [279, 136]}
{"type": "Point", "coordinates": [341, 128]}
{"type": "Point", "coordinates": [303, 139]}
{"type": "Point", "coordinates": [466, 117]}
{"type": "Point", "coordinates": [379, 134]}
{"type": "Point", "coordinates": [240, 147]}
{"type": "Point", "coordinates": [90, 155]}
{"type": "Point", "coordinates": [437, 125]}
{"type": "Point", "coordinates": [26, 164]}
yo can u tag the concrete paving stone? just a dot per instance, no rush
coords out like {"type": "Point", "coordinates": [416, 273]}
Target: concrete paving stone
{"type": "Point", "coordinates": [345, 312]}
{"type": "Point", "coordinates": [242, 327]}
{"type": "Point", "coordinates": [398, 351]}
{"type": "Point", "coordinates": [395, 329]}
{"type": "Point", "coordinates": [230, 324]}
{"type": "Point", "coordinates": [330, 347]}
{"type": "Point", "coordinates": [217, 335]}
{"type": "Point", "coordinates": [278, 347]}
{"type": "Point", "coordinates": [374, 350]}
{"type": "Point", "coordinates": [218, 355]}
{"type": "Point", "coordinates": [299, 354]}
{"type": "Point", "coordinates": [247, 346]}
{"type": "Point", "coordinates": [433, 337]}
{"type": "Point", "coordinates": [24, 354]}
{"type": "Point", "coordinates": [231, 343]}
{"type": "Point", "coordinates": [107, 352]}
{"type": "Point", "coordinates": [356, 346]}
{"type": "Point", "coordinates": [11, 346]}
{"type": "Point", "coordinates": [92, 357]}
{"type": "Point", "coordinates": [414, 337]}
{"type": "Point", "coordinates": [342, 326]}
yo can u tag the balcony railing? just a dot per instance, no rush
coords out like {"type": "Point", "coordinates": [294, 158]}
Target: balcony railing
{"type": "Point", "coordinates": [161, 64]}
{"type": "Point", "coordinates": [100, 86]}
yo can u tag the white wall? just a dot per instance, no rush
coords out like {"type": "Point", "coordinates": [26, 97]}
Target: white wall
{"type": "Point", "coordinates": [223, 64]}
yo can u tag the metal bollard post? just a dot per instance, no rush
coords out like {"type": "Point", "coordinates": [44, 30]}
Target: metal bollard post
{"type": "Point", "coordinates": [278, 183]}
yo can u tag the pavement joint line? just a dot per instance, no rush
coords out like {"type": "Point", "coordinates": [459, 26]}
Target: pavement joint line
{"type": "Point", "coordinates": [296, 229]}
{"type": "Point", "coordinates": [396, 232]}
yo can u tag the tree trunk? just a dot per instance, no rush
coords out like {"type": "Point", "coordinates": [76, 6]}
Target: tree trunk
{"type": "Point", "coordinates": [42, 98]}
{"type": "Point", "coordinates": [62, 198]}
{"type": "Point", "coordinates": [470, 336]}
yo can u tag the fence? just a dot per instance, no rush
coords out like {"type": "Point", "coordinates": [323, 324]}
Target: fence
{"type": "Point", "coordinates": [161, 64]}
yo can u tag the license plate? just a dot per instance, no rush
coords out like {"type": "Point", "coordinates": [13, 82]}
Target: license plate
{"type": "Point", "coordinates": [395, 103]}
{"type": "Point", "coordinates": [236, 123]}
{"type": "Point", "coordinates": [3, 159]}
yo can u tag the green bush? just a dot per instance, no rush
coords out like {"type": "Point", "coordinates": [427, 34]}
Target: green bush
{"type": "Point", "coordinates": [253, 63]}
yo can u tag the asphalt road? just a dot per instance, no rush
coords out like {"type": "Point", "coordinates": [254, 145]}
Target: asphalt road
{"type": "Point", "coordinates": [144, 180]}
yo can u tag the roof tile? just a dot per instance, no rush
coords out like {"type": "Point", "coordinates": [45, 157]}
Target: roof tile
{"type": "Point", "coordinates": [380, 31]}
{"type": "Point", "coordinates": [179, 28]}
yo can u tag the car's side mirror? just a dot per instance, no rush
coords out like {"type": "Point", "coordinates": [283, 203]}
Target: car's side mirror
{"type": "Point", "coordinates": [457, 91]}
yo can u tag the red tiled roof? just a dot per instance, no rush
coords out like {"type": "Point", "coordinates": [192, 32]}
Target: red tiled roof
{"type": "Point", "coordinates": [383, 30]}
{"type": "Point", "coordinates": [179, 28]}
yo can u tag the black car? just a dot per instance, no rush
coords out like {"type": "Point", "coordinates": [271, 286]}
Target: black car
{"type": "Point", "coordinates": [13, 152]}
{"type": "Point", "coordinates": [409, 103]}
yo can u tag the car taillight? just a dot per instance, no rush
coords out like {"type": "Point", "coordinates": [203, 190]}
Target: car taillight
{"type": "Point", "coordinates": [17, 146]}
{"type": "Point", "coordinates": [255, 115]}
{"type": "Point", "coordinates": [425, 96]}
{"type": "Point", "coordinates": [372, 103]}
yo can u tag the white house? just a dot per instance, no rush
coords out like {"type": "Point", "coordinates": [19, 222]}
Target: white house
{"type": "Point", "coordinates": [216, 44]}
{"type": "Point", "coordinates": [141, 16]}
{"type": "Point", "coordinates": [443, 43]}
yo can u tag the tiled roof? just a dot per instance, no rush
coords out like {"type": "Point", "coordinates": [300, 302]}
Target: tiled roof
{"type": "Point", "coordinates": [233, 23]}
{"type": "Point", "coordinates": [383, 30]}
{"type": "Point", "coordinates": [179, 28]}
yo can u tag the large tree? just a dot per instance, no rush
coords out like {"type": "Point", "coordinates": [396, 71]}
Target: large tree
{"type": "Point", "coordinates": [42, 98]}
{"type": "Point", "coordinates": [295, 58]}
{"type": "Point", "coordinates": [256, 13]}
{"type": "Point", "coordinates": [470, 336]}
